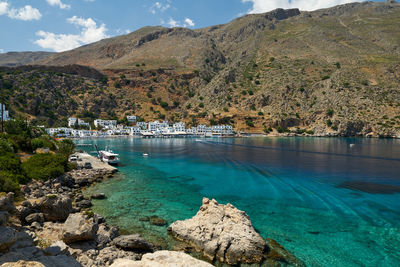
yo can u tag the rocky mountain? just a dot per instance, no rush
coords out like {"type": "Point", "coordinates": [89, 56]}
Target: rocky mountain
{"type": "Point", "coordinates": [12, 59]}
{"type": "Point", "coordinates": [329, 72]}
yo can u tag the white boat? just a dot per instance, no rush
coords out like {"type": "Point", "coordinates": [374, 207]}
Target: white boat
{"type": "Point", "coordinates": [109, 156]}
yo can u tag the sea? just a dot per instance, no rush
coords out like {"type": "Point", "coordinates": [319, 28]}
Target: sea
{"type": "Point", "coordinates": [329, 201]}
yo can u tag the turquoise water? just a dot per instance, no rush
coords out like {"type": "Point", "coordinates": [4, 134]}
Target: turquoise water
{"type": "Point", "coordinates": [318, 197]}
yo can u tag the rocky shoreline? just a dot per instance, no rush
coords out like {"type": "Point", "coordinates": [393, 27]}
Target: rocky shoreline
{"type": "Point", "coordinates": [54, 226]}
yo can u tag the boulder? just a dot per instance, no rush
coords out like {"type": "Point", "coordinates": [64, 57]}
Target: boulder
{"type": "Point", "coordinates": [133, 243]}
{"type": "Point", "coordinates": [221, 232]}
{"type": "Point", "coordinates": [57, 248]}
{"type": "Point", "coordinates": [35, 217]}
{"type": "Point", "coordinates": [23, 212]}
{"type": "Point", "coordinates": [162, 259]}
{"type": "Point", "coordinates": [23, 264]}
{"type": "Point", "coordinates": [105, 235]}
{"type": "Point", "coordinates": [78, 228]}
{"type": "Point", "coordinates": [86, 203]}
{"type": "Point", "coordinates": [4, 217]}
{"type": "Point", "coordinates": [7, 238]}
{"type": "Point", "coordinates": [7, 203]}
{"type": "Point", "coordinates": [55, 207]}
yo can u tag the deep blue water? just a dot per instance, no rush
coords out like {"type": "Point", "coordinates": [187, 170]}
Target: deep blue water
{"type": "Point", "coordinates": [318, 197]}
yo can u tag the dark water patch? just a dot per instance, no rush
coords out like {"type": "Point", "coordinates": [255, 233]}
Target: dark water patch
{"type": "Point", "coordinates": [371, 188]}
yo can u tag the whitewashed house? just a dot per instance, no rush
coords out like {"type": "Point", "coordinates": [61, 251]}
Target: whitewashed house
{"type": "Point", "coordinates": [131, 119]}
{"type": "Point", "coordinates": [135, 131]}
{"type": "Point", "coordinates": [108, 124]}
{"type": "Point", "coordinates": [143, 125]}
{"type": "Point", "coordinates": [72, 122]}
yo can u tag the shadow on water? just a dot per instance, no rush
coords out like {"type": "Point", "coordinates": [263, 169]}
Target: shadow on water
{"type": "Point", "coordinates": [371, 188]}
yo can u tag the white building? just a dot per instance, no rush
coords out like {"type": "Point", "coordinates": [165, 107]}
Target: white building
{"type": "Point", "coordinates": [135, 131]}
{"type": "Point", "coordinates": [108, 124]}
{"type": "Point", "coordinates": [72, 122]}
{"type": "Point", "coordinates": [59, 132]}
{"type": "Point", "coordinates": [179, 127]}
{"type": "Point", "coordinates": [4, 113]}
{"type": "Point", "coordinates": [222, 130]}
{"type": "Point", "coordinates": [131, 119]}
{"type": "Point", "coordinates": [143, 125]}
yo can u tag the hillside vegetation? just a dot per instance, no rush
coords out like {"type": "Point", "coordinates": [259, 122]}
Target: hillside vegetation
{"type": "Point", "coordinates": [328, 72]}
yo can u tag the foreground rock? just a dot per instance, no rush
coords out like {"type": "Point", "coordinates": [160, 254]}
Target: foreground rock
{"type": "Point", "coordinates": [78, 228]}
{"type": "Point", "coordinates": [224, 233]}
{"type": "Point", "coordinates": [133, 242]}
{"type": "Point", "coordinates": [162, 259]}
{"type": "Point", "coordinates": [55, 207]}
{"type": "Point", "coordinates": [8, 237]}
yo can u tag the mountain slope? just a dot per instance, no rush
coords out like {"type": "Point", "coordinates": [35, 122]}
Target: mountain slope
{"type": "Point", "coordinates": [12, 59]}
{"type": "Point", "coordinates": [332, 72]}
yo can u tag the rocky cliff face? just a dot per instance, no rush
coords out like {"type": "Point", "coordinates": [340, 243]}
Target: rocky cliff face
{"type": "Point", "coordinates": [328, 72]}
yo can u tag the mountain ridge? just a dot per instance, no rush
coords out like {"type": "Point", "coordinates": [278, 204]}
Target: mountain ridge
{"type": "Point", "coordinates": [332, 71]}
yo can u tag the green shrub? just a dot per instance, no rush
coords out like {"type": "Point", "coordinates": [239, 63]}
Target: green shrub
{"type": "Point", "coordinates": [66, 147]}
{"type": "Point", "coordinates": [8, 182]}
{"type": "Point", "coordinates": [330, 112]}
{"type": "Point", "coordinates": [201, 105]}
{"type": "Point", "coordinates": [43, 142]}
{"type": "Point", "coordinates": [164, 105]}
{"type": "Point", "coordinates": [250, 123]}
{"type": "Point", "coordinates": [5, 146]}
{"type": "Point", "coordinates": [45, 166]}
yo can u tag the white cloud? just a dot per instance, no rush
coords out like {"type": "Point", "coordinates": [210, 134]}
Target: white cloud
{"type": "Point", "coordinates": [1, 51]}
{"type": "Point", "coordinates": [260, 6]}
{"type": "Point", "coordinates": [157, 6]}
{"type": "Point", "coordinates": [24, 13]}
{"type": "Point", "coordinates": [189, 22]}
{"type": "Point", "coordinates": [90, 33]}
{"type": "Point", "coordinates": [58, 3]}
{"type": "Point", "coordinates": [174, 23]}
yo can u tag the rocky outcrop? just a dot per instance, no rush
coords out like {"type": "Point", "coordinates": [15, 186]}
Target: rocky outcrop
{"type": "Point", "coordinates": [78, 228]}
{"type": "Point", "coordinates": [133, 242]}
{"type": "Point", "coordinates": [8, 237]}
{"type": "Point", "coordinates": [7, 203]}
{"type": "Point", "coordinates": [162, 259]}
{"type": "Point", "coordinates": [23, 264]}
{"type": "Point", "coordinates": [223, 233]}
{"type": "Point", "coordinates": [4, 216]}
{"type": "Point", "coordinates": [55, 207]}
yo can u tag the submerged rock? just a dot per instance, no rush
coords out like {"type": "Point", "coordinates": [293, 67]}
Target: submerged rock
{"type": "Point", "coordinates": [98, 196]}
{"type": "Point", "coordinates": [155, 220]}
{"type": "Point", "coordinates": [162, 258]}
{"type": "Point", "coordinates": [223, 233]}
{"type": "Point", "coordinates": [78, 228]}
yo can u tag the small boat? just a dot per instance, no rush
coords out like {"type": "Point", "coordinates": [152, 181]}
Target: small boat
{"type": "Point", "coordinates": [145, 155]}
{"type": "Point", "coordinates": [108, 156]}
{"type": "Point", "coordinates": [352, 145]}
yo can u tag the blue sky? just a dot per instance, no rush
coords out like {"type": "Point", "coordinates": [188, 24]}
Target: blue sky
{"type": "Point", "coordinates": [59, 25]}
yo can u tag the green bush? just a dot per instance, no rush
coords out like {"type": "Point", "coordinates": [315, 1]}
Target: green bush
{"type": "Point", "coordinates": [8, 182]}
{"type": "Point", "coordinates": [5, 146]}
{"type": "Point", "coordinates": [45, 166]}
{"type": "Point", "coordinates": [66, 147]}
{"type": "Point", "coordinates": [250, 123]}
{"type": "Point", "coordinates": [43, 142]}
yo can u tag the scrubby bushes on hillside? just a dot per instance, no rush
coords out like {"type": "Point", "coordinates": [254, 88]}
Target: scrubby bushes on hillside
{"type": "Point", "coordinates": [45, 166]}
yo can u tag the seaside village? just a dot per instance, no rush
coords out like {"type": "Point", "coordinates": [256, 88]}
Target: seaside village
{"type": "Point", "coordinates": [78, 128]}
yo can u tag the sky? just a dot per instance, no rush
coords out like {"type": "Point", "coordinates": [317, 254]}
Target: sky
{"type": "Point", "coordinates": [60, 25]}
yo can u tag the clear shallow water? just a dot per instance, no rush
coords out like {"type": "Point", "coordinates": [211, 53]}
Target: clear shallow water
{"type": "Point", "coordinates": [293, 189]}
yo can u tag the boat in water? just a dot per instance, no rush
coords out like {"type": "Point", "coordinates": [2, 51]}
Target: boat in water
{"type": "Point", "coordinates": [108, 156]}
